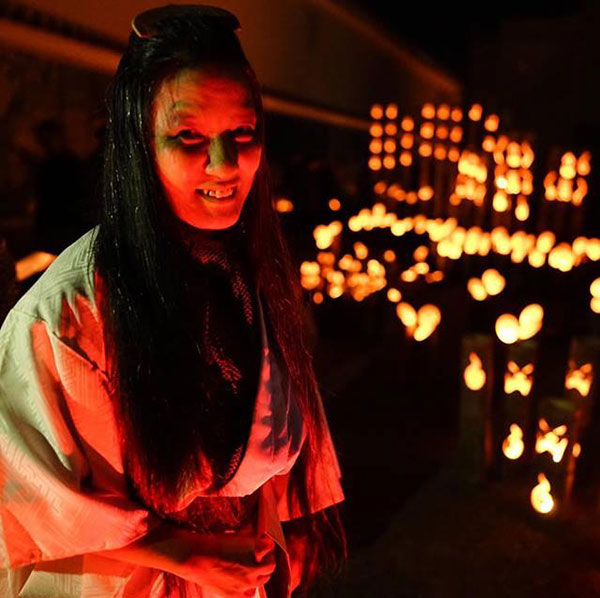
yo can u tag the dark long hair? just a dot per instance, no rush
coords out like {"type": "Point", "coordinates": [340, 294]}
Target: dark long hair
{"type": "Point", "coordinates": [155, 368]}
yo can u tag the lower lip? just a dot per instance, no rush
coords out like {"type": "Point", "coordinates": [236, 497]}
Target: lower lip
{"type": "Point", "coordinates": [217, 199]}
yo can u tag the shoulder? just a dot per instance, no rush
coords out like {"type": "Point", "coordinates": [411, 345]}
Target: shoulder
{"type": "Point", "coordinates": [64, 299]}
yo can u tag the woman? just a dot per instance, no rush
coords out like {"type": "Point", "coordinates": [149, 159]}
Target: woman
{"type": "Point", "coordinates": [162, 431]}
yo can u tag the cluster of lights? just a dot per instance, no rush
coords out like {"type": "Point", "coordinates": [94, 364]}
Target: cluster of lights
{"type": "Point", "coordinates": [325, 234]}
{"type": "Point", "coordinates": [384, 133]}
{"type": "Point", "coordinates": [471, 179]}
{"type": "Point", "coordinates": [569, 184]}
{"type": "Point", "coordinates": [491, 283]}
{"type": "Point", "coordinates": [420, 324]}
{"type": "Point", "coordinates": [579, 378]}
{"type": "Point", "coordinates": [518, 379]}
{"type": "Point", "coordinates": [513, 178]}
{"type": "Point", "coordinates": [511, 329]}
{"type": "Point", "coordinates": [347, 276]}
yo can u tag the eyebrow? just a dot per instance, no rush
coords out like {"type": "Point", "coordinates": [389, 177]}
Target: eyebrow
{"type": "Point", "coordinates": [178, 112]}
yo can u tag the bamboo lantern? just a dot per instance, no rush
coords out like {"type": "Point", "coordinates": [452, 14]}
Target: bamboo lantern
{"type": "Point", "coordinates": [475, 447]}
{"type": "Point", "coordinates": [517, 400]}
{"type": "Point", "coordinates": [581, 385]}
{"type": "Point", "coordinates": [557, 446]}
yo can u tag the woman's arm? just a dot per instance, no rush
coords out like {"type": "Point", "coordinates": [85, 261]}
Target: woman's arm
{"type": "Point", "coordinates": [166, 547]}
{"type": "Point", "coordinates": [226, 563]}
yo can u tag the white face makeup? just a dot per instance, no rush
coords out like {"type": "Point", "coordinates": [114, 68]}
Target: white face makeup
{"type": "Point", "coordinates": [205, 145]}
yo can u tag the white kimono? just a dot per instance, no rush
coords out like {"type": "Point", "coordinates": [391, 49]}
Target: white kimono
{"type": "Point", "coordinates": [63, 495]}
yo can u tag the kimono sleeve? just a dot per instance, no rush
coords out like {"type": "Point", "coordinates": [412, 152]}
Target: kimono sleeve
{"type": "Point", "coordinates": [62, 489]}
{"type": "Point", "coordinates": [326, 489]}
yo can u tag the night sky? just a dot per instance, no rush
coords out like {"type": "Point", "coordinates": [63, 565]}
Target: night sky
{"type": "Point", "coordinates": [442, 31]}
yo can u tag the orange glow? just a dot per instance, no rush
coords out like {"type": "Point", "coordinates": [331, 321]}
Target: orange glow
{"type": "Point", "coordinates": [474, 374]}
{"type": "Point", "coordinates": [334, 204]}
{"type": "Point", "coordinates": [428, 111]}
{"type": "Point", "coordinates": [389, 162]}
{"type": "Point", "coordinates": [443, 112]}
{"type": "Point", "coordinates": [427, 130]}
{"type": "Point", "coordinates": [513, 445]}
{"type": "Point", "coordinates": [595, 288]}
{"type": "Point", "coordinates": [456, 134]}
{"type": "Point", "coordinates": [380, 187]}
{"type": "Point", "coordinates": [389, 146]}
{"type": "Point", "coordinates": [518, 379]}
{"type": "Point", "coordinates": [583, 164]}
{"type": "Point", "coordinates": [324, 235]}
{"type": "Point", "coordinates": [500, 202]}
{"type": "Point", "coordinates": [489, 143]}
{"type": "Point", "coordinates": [491, 123]}
{"type": "Point", "coordinates": [576, 450]}
{"type": "Point", "coordinates": [318, 297]}
{"type": "Point", "coordinates": [375, 163]}
{"type": "Point", "coordinates": [310, 277]}
{"type": "Point", "coordinates": [420, 253]}
{"type": "Point", "coordinates": [579, 378]}
{"type": "Point", "coordinates": [408, 276]}
{"type": "Point", "coordinates": [530, 321]}
{"type": "Point", "coordinates": [425, 150]}
{"type": "Point", "coordinates": [376, 111]}
{"type": "Point", "coordinates": [394, 295]}
{"type": "Point", "coordinates": [407, 140]}
{"type": "Point", "coordinates": [425, 193]}
{"type": "Point", "coordinates": [456, 115]}
{"type": "Point", "coordinates": [562, 257]}
{"type": "Point", "coordinates": [428, 317]}
{"type": "Point", "coordinates": [389, 256]}
{"type": "Point", "coordinates": [453, 154]}
{"type": "Point", "coordinates": [551, 440]}
{"type": "Point", "coordinates": [507, 328]}
{"type": "Point", "coordinates": [407, 124]}
{"type": "Point", "coordinates": [476, 289]}
{"type": "Point", "coordinates": [376, 130]}
{"type": "Point", "coordinates": [407, 314]}
{"type": "Point", "coordinates": [475, 112]}
{"type": "Point", "coordinates": [406, 159]}
{"type": "Point", "coordinates": [375, 146]}
{"type": "Point", "coordinates": [391, 129]}
{"type": "Point", "coordinates": [284, 205]}
{"type": "Point", "coordinates": [540, 497]}
{"type": "Point", "coordinates": [442, 132]}
{"type": "Point", "coordinates": [391, 111]}
{"type": "Point", "coordinates": [360, 250]}
{"type": "Point", "coordinates": [522, 209]}
{"type": "Point", "coordinates": [493, 281]}
{"type": "Point", "coordinates": [439, 153]}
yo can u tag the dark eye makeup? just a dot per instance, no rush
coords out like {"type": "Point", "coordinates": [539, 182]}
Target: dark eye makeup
{"type": "Point", "coordinates": [190, 137]}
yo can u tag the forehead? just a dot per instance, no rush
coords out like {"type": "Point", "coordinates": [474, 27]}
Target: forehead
{"type": "Point", "coordinates": [204, 95]}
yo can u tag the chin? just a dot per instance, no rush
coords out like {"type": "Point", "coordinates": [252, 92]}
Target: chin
{"type": "Point", "coordinates": [214, 222]}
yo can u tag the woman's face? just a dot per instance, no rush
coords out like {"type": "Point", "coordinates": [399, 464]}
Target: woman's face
{"type": "Point", "coordinates": [205, 145]}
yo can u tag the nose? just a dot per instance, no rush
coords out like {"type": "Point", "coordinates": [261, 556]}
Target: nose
{"type": "Point", "coordinates": [222, 157]}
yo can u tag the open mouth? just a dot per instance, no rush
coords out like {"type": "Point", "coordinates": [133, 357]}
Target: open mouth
{"type": "Point", "coordinates": [218, 194]}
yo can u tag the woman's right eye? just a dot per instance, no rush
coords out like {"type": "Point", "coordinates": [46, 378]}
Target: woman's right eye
{"type": "Point", "coordinates": [189, 137]}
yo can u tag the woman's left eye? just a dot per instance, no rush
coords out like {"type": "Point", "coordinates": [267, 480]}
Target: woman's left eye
{"type": "Point", "coordinates": [245, 134]}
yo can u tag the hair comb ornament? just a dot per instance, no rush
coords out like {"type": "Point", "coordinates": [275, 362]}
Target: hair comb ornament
{"type": "Point", "coordinates": [147, 24]}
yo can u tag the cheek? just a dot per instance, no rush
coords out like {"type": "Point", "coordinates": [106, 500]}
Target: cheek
{"type": "Point", "coordinates": [175, 169]}
{"type": "Point", "coordinates": [249, 161]}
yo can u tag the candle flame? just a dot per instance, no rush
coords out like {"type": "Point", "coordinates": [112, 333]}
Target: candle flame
{"type": "Point", "coordinates": [540, 497]}
{"type": "Point", "coordinates": [474, 374]}
{"type": "Point", "coordinates": [513, 445]}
